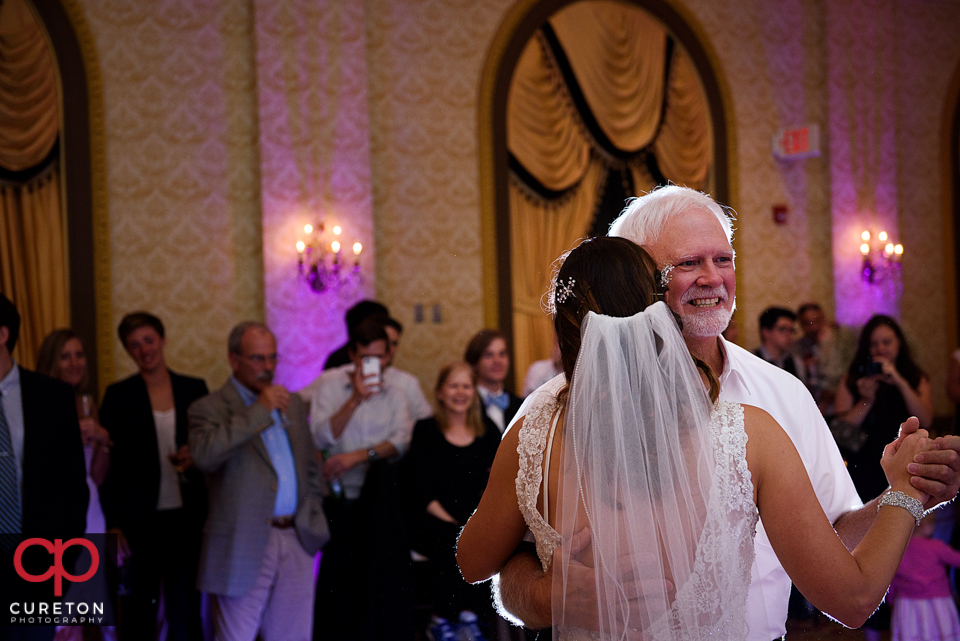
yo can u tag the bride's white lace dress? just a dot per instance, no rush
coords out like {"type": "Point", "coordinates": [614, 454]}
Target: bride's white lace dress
{"type": "Point", "coordinates": [715, 592]}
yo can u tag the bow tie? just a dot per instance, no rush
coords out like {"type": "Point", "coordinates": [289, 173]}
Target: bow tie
{"type": "Point", "coordinates": [501, 400]}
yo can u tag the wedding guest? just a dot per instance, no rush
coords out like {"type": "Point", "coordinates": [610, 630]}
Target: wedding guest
{"type": "Point", "coordinates": [62, 356]}
{"type": "Point", "coordinates": [407, 383]}
{"type": "Point", "coordinates": [355, 315]}
{"type": "Point", "coordinates": [542, 371]}
{"type": "Point", "coordinates": [444, 474]}
{"type": "Point", "coordinates": [826, 350]}
{"type": "Point", "coordinates": [920, 596]}
{"type": "Point", "coordinates": [360, 422]}
{"type": "Point", "coordinates": [154, 498]}
{"type": "Point", "coordinates": [488, 355]}
{"type": "Point", "coordinates": [882, 388]}
{"type": "Point", "coordinates": [777, 328]}
{"type": "Point", "coordinates": [43, 492]}
{"type": "Point", "coordinates": [252, 440]}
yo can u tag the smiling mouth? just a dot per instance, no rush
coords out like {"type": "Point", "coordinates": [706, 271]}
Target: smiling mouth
{"type": "Point", "coordinates": [705, 302]}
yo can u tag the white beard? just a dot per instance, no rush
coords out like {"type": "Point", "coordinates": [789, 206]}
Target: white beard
{"type": "Point", "coordinates": [708, 323]}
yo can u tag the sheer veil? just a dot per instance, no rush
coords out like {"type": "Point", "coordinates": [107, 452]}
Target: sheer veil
{"type": "Point", "coordinates": [644, 468]}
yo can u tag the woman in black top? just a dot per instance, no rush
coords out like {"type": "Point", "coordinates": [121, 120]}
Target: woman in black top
{"type": "Point", "coordinates": [882, 388]}
{"type": "Point", "coordinates": [154, 498]}
{"type": "Point", "coordinates": [445, 473]}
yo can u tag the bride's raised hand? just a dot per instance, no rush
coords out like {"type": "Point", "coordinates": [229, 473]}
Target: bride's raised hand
{"type": "Point", "coordinates": [898, 455]}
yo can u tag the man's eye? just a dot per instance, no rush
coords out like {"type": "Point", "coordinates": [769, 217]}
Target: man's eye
{"type": "Point", "coordinates": [724, 260]}
{"type": "Point", "coordinates": [689, 263]}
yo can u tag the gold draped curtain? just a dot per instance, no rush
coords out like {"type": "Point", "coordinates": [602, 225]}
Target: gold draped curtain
{"type": "Point", "coordinates": [33, 272]}
{"type": "Point", "coordinates": [642, 101]}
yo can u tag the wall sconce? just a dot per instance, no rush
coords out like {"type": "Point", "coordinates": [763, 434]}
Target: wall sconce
{"type": "Point", "coordinates": [881, 259]}
{"type": "Point", "coordinates": [321, 262]}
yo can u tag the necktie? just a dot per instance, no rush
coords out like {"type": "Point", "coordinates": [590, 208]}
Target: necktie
{"type": "Point", "coordinates": [501, 400]}
{"type": "Point", "coordinates": [9, 488]}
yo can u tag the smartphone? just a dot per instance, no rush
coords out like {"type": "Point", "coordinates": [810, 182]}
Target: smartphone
{"type": "Point", "coordinates": [370, 371]}
{"type": "Point", "coordinates": [871, 369]}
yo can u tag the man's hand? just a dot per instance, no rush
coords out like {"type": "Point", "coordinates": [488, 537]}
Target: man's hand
{"type": "Point", "coordinates": [582, 606]}
{"type": "Point", "coordinates": [275, 397]}
{"type": "Point", "coordinates": [936, 471]}
{"type": "Point", "coordinates": [359, 385]}
{"type": "Point", "coordinates": [339, 464]}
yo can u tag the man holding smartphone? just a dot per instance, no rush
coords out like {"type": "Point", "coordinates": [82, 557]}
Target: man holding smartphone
{"type": "Point", "coordinates": [360, 421]}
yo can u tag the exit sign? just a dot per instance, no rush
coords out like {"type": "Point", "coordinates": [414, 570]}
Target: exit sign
{"type": "Point", "coordinates": [797, 143]}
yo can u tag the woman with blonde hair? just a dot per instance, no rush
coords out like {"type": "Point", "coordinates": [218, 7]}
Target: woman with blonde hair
{"type": "Point", "coordinates": [445, 472]}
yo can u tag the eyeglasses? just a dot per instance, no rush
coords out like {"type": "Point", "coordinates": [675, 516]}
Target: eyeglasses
{"type": "Point", "coordinates": [261, 359]}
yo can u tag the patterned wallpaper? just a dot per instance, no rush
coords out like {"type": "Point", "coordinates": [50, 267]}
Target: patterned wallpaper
{"type": "Point", "coordinates": [315, 160]}
{"type": "Point", "coordinates": [874, 76]}
{"type": "Point", "coordinates": [196, 130]}
{"type": "Point", "coordinates": [185, 238]}
{"type": "Point", "coordinates": [426, 57]}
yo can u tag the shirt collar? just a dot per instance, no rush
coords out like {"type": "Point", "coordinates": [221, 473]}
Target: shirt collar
{"type": "Point", "coordinates": [246, 395]}
{"type": "Point", "coordinates": [731, 364]}
{"type": "Point", "coordinates": [485, 393]}
{"type": "Point", "coordinates": [12, 380]}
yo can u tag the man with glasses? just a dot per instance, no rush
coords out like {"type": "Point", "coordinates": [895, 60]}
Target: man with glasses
{"type": "Point", "coordinates": [777, 329]}
{"type": "Point", "coordinates": [265, 520]}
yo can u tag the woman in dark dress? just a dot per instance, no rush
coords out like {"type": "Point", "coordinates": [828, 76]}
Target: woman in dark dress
{"type": "Point", "coordinates": [445, 473]}
{"type": "Point", "coordinates": [154, 498]}
{"type": "Point", "coordinates": [882, 388]}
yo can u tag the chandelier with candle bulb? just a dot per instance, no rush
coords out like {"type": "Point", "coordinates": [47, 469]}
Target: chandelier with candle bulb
{"type": "Point", "coordinates": [322, 263]}
{"type": "Point", "coordinates": [881, 259]}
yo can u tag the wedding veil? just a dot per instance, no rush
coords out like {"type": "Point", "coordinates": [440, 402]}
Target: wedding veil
{"type": "Point", "coordinates": [644, 469]}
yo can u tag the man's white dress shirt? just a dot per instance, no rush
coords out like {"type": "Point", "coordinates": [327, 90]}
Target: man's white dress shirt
{"type": "Point", "coordinates": [382, 417]}
{"type": "Point", "coordinates": [749, 380]}
{"type": "Point", "coordinates": [417, 404]}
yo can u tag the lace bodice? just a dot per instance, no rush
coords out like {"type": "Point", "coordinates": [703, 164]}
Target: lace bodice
{"type": "Point", "coordinates": [532, 443]}
{"type": "Point", "coordinates": [731, 525]}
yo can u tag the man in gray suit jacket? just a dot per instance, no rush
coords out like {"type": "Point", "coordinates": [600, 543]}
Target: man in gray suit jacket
{"type": "Point", "coordinates": [265, 520]}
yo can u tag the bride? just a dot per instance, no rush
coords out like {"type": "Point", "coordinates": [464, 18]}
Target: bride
{"type": "Point", "coordinates": [651, 481]}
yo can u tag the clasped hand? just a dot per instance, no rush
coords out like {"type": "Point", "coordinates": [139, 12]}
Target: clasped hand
{"type": "Point", "coordinates": [935, 469]}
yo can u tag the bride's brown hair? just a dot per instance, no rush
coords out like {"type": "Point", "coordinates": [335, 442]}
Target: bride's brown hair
{"type": "Point", "coordinates": [610, 276]}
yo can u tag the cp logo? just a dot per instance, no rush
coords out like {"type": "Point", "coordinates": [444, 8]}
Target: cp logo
{"type": "Point", "coordinates": [56, 570]}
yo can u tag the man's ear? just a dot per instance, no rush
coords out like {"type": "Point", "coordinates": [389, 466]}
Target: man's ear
{"type": "Point", "coordinates": [4, 335]}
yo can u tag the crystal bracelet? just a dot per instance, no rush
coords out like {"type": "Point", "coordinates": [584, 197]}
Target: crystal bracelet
{"type": "Point", "coordinates": [899, 499]}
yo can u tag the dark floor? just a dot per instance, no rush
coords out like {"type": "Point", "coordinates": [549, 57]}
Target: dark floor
{"type": "Point", "coordinates": [823, 629]}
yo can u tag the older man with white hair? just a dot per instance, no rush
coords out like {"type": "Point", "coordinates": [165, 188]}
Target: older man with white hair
{"type": "Point", "coordinates": [689, 235]}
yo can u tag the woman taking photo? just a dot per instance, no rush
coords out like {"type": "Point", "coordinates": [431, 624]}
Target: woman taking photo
{"type": "Point", "coordinates": [882, 388]}
{"type": "Point", "coordinates": [637, 470]}
{"type": "Point", "coordinates": [445, 472]}
{"type": "Point", "coordinates": [154, 498]}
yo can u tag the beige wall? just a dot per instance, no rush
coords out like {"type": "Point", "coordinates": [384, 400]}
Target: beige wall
{"type": "Point", "coordinates": [182, 172]}
{"type": "Point", "coordinates": [184, 161]}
